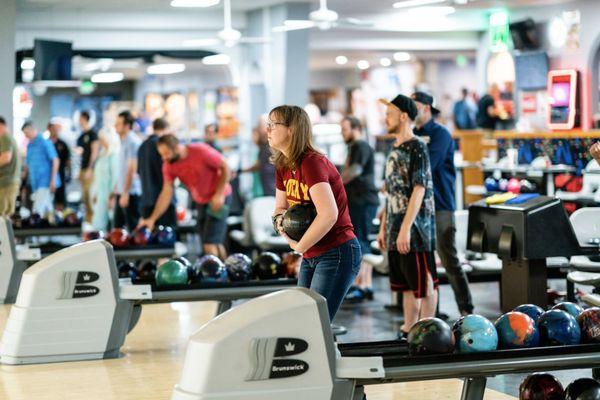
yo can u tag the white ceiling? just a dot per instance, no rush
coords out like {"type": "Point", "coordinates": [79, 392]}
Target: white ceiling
{"type": "Point", "coordinates": [112, 20]}
{"type": "Point", "coordinates": [344, 7]}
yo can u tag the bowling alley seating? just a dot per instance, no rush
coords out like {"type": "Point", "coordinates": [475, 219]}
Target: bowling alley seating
{"type": "Point", "coordinates": [589, 192]}
{"type": "Point", "coordinates": [586, 224]}
{"type": "Point", "coordinates": [257, 227]}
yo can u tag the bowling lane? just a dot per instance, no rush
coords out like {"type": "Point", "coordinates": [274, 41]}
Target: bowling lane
{"type": "Point", "coordinates": [152, 362]}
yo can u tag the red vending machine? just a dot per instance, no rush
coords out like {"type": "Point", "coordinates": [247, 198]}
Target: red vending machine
{"type": "Point", "coordinates": [563, 99]}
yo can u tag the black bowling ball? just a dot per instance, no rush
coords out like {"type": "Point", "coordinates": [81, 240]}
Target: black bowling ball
{"type": "Point", "coordinates": [430, 336]}
{"type": "Point", "coordinates": [268, 266]}
{"type": "Point", "coordinates": [297, 219]}
{"type": "Point", "coordinates": [583, 389]}
{"type": "Point", "coordinates": [146, 271]}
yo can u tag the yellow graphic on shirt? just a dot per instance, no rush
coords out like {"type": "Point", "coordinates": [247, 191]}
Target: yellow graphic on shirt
{"type": "Point", "coordinates": [296, 190]}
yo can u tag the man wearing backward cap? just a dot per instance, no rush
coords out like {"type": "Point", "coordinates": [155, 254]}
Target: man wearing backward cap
{"type": "Point", "coordinates": [407, 229]}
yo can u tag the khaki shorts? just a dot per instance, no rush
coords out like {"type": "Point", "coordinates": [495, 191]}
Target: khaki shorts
{"type": "Point", "coordinates": [8, 196]}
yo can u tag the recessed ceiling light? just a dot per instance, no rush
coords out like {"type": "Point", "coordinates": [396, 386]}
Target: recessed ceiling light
{"type": "Point", "coordinates": [165, 69]}
{"type": "Point", "coordinates": [194, 3]}
{"type": "Point", "coordinates": [401, 56]}
{"type": "Point", "coordinates": [385, 62]}
{"type": "Point", "coordinates": [415, 3]}
{"type": "Point", "coordinates": [107, 77]}
{"type": "Point", "coordinates": [216, 59]}
{"type": "Point", "coordinates": [363, 64]}
{"type": "Point", "coordinates": [341, 60]}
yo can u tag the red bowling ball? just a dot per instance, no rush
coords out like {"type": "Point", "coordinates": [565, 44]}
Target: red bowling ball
{"type": "Point", "coordinates": [118, 237]}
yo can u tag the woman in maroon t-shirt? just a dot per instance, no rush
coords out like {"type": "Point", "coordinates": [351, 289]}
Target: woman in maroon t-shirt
{"type": "Point", "coordinates": [331, 251]}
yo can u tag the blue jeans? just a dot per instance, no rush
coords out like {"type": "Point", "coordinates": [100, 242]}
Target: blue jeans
{"type": "Point", "coordinates": [332, 273]}
{"type": "Point", "coordinates": [362, 216]}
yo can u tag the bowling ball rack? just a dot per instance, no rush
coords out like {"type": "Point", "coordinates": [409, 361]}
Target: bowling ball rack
{"type": "Point", "coordinates": [49, 231]}
{"type": "Point", "coordinates": [215, 290]}
{"type": "Point", "coordinates": [474, 367]}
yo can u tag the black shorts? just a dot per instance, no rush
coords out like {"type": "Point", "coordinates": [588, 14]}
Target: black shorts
{"type": "Point", "coordinates": [412, 271]}
{"type": "Point", "coordinates": [212, 230]}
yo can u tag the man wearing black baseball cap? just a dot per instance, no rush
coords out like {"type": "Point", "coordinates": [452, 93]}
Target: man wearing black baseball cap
{"type": "Point", "coordinates": [441, 157]}
{"type": "Point", "coordinates": [407, 228]}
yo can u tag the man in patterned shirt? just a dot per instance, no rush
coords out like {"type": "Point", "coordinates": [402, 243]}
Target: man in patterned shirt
{"type": "Point", "coordinates": [407, 230]}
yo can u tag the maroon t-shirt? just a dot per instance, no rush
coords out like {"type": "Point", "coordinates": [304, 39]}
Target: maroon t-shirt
{"type": "Point", "coordinates": [199, 172]}
{"type": "Point", "coordinates": [312, 169]}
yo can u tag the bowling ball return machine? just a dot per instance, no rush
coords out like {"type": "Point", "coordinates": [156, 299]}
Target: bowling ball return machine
{"type": "Point", "coordinates": [523, 236]}
{"type": "Point", "coordinates": [72, 306]}
{"type": "Point", "coordinates": [280, 346]}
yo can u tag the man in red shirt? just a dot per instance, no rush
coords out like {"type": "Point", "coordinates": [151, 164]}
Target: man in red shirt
{"type": "Point", "coordinates": [205, 173]}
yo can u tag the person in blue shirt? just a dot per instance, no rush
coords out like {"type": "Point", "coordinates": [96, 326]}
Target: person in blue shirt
{"type": "Point", "coordinates": [42, 165]}
{"type": "Point", "coordinates": [441, 155]}
{"type": "Point", "coordinates": [465, 112]}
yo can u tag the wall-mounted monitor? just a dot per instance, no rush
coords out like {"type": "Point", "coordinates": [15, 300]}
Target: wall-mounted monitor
{"type": "Point", "coordinates": [52, 60]}
{"type": "Point", "coordinates": [563, 99]}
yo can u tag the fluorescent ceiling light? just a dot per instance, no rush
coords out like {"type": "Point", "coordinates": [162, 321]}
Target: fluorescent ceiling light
{"type": "Point", "coordinates": [102, 64]}
{"type": "Point", "coordinates": [28, 63]}
{"type": "Point", "coordinates": [401, 56]}
{"type": "Point", "coordinates": [415, 3]}
{"type": "Point", "coordinates": [194, 3]}
{"type": "Point", "coordinates": [385, 62]}
{"type": "Point", "coordinates": [363, 64]}
{"type": "Point", "coordinates": [217, 59]}
{"type": "Point", "coordinates": [165, 69]}
{"type": "Point", "coordinates": [431, 12]}
{"type": "Point", "coordinates": [107, 77]}
{"type": "Point", "coordinates": [341, 60]}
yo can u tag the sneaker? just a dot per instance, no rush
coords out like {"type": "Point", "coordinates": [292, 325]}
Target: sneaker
{"type": "Point", "coordinates": [403, 336]}
{"type": "Point", "coordinates": [368, 292]}
{"type": "Point", "coordinates": [355, 296]}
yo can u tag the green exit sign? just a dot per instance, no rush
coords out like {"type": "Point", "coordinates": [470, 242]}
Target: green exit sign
{"type": "Point", "coordinates": [499, 31]}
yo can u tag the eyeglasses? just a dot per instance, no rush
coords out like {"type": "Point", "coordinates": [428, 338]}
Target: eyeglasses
{"type": "Point", "coordinates": [271, 125]}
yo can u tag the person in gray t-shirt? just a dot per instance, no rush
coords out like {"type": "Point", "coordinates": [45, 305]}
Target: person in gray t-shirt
{"type": "Point", "coordinates": [10, 170]}
{"type": "Point", "coordinates": [128, 188]}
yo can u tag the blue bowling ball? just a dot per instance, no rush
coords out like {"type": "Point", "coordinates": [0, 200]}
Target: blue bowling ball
{"type": "Point", "coordinates": [239, 267]}
{"type": "Point", "coordinates": [474, 334]}
{"type": "Point", "coordinates": [165, 236]}
{"type": "Point", "coordinates": [558, 328]}
{"type": "Point", "coordinates": [571, 308]}
{"type": "Point", "coordinates": [532, 310]}
{"type": "Point", "coordinates": [491, 185]}
{"type": "Point", "coordinates": [516, 330]}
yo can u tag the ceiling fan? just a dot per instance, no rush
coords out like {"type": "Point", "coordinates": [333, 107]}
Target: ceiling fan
{"type": "Point", "coordinates": [323, 18]}
{"type": "Point", "coordinates": [227, 36]}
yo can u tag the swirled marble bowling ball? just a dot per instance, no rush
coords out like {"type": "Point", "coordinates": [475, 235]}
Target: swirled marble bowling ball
{"type": "Point", "coordinates": [583, 389]}
{"type": "Point", "coordinates": [516, 330]}
{"type": "Point", "coordinates": [430, 336]}
{"type": "Point", "coordinates": [589, 322]}
{"type": "Point", "coordinates": [541, 387]}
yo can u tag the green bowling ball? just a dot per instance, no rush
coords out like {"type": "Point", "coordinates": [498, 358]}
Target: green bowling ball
{"type": "Point", "coordinates": [172, 272]}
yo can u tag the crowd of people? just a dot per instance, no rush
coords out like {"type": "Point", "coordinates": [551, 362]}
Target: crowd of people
{"type": "Point", "coordinates": [126, 179]}
{"type": "Point", "coordinates": [129, 182]}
